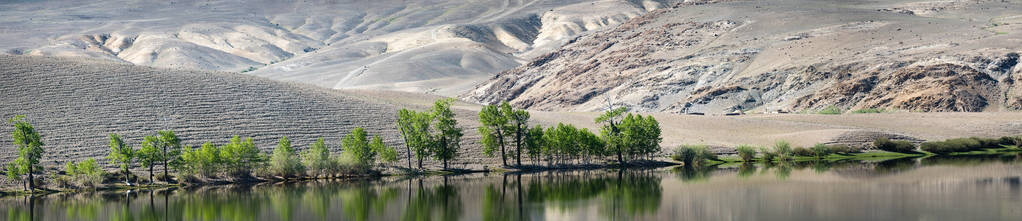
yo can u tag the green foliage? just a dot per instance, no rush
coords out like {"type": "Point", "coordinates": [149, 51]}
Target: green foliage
{"type": "Point", "coordinates": [802, 152]}
{"type": "Point", "coordinates": [87, 173]}
{"type": "Point", "coordinates": [170, 144]}
{"type": "Point", "coordinates": [611, 133]}
{"type": "Point", "coordinates": [820, 150]}
{"type": "Point", "coordinates": [356, 145]}
{"type": "Point", "coordinates": [693, 155]}
{"type": "Point", "coordinates": [746, 152]}
{"type": "Point", "coordinates": [960, 145]}
{"type": "Point", "coordinates": [640, 135]}
{"type": "Point", "coordinates": [1010, 141]}
{"type": "Point", "coordinates": [518, 119]}
{"type": "Point", "coordinates": [417, 132]}
{"type": "Point", "coordinates": [768, 155]}
{"type": "Point", "coordinates": [30, 149]}
{"type": "Point", "coordinates": [317, 158]}
{"type": "Point", "coordinates": [239, 156]}
{"type": "Point", "coordinates": [121, 154]}
{"type": "Point", "coordinates": [494, 126]}
{"type": "Point", "coordinates": [534, 142]}
{"type": "Point", "coordinates": [783, 150]}
{"type": "Point", "coordinates": [284, 162]}
{"type": "Point", "coordinates": [149, 155]}
{"type": "Point", "coordinates": [897, 146]}
{"type": "Point", "coordinates": [869, 111]}
{"type": "Point", "coordinates": [448, 134]}
{"type": "Point", "coordinates": [204, 160]}
{"type": "Point", "coordinates": [830, 110]}
{"type": "Point", "coordinates": [387, 153]}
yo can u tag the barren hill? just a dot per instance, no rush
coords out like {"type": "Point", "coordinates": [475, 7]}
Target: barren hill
{"type": "Point", "coordinates": [790, 55]}
{"type": "Point", "coordinates": [441, 46]}
{"type": "Point", "coordinates": [75, 103]}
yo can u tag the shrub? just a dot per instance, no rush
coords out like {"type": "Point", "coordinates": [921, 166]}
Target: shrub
{"type": "Point", "coordinates": [898, 146]}
{"type": "Point", "coordinates": [821, 150]}
{"type": "Point", "coordinates": [960, 145]}
{"type": "Point", "coordinates": [869, 111]}
{"type": "Point", "coordinates": [802, 152]}
{"type": "Point", "coordinates": [830, 110]}
{"type": "Point", "coordinates": [1010, 141]}
{"type": "Point", "coordinates": [782, 149]}
{"type": "Point", "coordinates": [285, 162]}
{"type": "Point", "coordinates": [746, 152]}
{"type": "Point", "coordinates": [693, 155]}
{"type": "Point", "coordinates": [768, 156]}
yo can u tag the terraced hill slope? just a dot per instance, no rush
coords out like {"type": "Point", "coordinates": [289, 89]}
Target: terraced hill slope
{"type": "Point", "coordinates": [75, 103]}
{"type": "Point", "coordinates": [788, 55]}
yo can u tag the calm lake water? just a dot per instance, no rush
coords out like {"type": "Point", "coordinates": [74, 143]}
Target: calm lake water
{"type": "Point", "coordinates": [974, 188]}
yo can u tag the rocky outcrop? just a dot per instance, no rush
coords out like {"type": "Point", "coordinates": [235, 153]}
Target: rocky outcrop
{"type": "Point", "coordinates": [746, 55]}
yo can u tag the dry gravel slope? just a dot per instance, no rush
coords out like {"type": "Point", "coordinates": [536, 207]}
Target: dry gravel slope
{"type": "Point", "coordinates": [75, 103]}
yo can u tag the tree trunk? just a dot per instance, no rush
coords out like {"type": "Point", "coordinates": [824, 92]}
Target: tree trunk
{"type": "Point", "coordinates": [126, 181]}
{"type": "Point", "coordinates": [408, 149]}
{"type": "Point", "coordinates": [31, 180]}
{"type": "Point", "coordinates": [500, 140]}
{"type": "Point", "coordinates": [164, 163]}
{"type": "Point", "coordinates": [518, 145]}
{"type": "Point", "coordinates": [151, 175]}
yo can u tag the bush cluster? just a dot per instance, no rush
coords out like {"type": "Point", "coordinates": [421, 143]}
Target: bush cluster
{"type": "Point", "coordinates": [693, 155]}
{"type": "Point", "coordinates": [897, 146]}
{"type": "Point", "coordinates": [746, 152]}
{"type": "Point", "coordinates": [960, 145]}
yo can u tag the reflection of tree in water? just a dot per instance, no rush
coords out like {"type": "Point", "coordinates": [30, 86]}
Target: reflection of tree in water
{"type": "Point", "coordinates": [359, 202]}
{"type": "Point", "coordinates": [895, 165]}
{"type": "Point", "coordinates": [689, 174]}
{"type": "Point", "coordinates": [499, 204]}
{"type": "Point", "coordinates": [625, 193]}
{"type": "Point", "coordinates": [969, 160]}
{"type": "Point", "coordinates": [437, 203]}
{"type": "Point", "coordinates": [747, 169]}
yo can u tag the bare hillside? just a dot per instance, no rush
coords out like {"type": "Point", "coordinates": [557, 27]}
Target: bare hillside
{"type": "Point", "coordinates": [74, 104]}
{"type": "Point", "coordinates": [788, 55]}
{"type": "Point", "coordinates": [439, 46]}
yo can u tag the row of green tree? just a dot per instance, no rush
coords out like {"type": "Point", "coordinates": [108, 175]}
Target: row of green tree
{"type": "Point", "coordinates": [631, 136]}
{"type": "Point", "coordinates": [428, 134]}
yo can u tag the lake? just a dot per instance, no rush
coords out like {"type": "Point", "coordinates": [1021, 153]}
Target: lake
{"type": "Point", "coordinates": [934, 188]}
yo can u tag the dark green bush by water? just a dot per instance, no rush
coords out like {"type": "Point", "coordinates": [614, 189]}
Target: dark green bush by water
{"type": "Point", "coordinates": [897, 146]}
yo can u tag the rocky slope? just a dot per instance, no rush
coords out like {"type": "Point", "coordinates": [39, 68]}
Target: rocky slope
{"type": "Point", "coordinates": [442, 46]}
{"type": "Point", "coordinates": [790, 55]}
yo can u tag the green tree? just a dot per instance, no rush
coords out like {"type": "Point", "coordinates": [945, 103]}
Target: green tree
{"type": "Point", "coordinates": [122, 155]}
{"type": "Point", "coordinates": [448, 137]}
{"type": "Point", "coordinates": [284, 161]}
{"type": "Point", "coordinates": [168, 140]}
{"type": "Point", "coordinates": [14, 172]}
{"type": "Point", "coordinates": [610, 131]}
{"type": "Point", "coordinates": [640, 135]}
{"type": "Point", "coordinates": [416, 129]}
{"type": "Point", "coordinates": [386, 153]}
{"type": "Point", "coordinates": [203, 160]}
{"type": "Point", "coordinates": [356, 145]}
{"type": "Point", "coordinates": [150, 155]}
{"type": "Point", "coordinates": [518, 119]}
{"type": "Point", "coordinates": [494, 127]}
{"type": "Point", "coordinates": [30, 148]}
{"type": "Point", "coordinates": [317, 158]}
{"type": "Point", "coordinates": [239, 156]}
{"type": "Point", "coordinates": [534, 142]}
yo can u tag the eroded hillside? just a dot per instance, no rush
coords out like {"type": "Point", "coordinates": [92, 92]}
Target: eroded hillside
{"type": "Point", "coordinates": [790, 55]}
{"type": "Point", "coordinates": [437, 46]}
